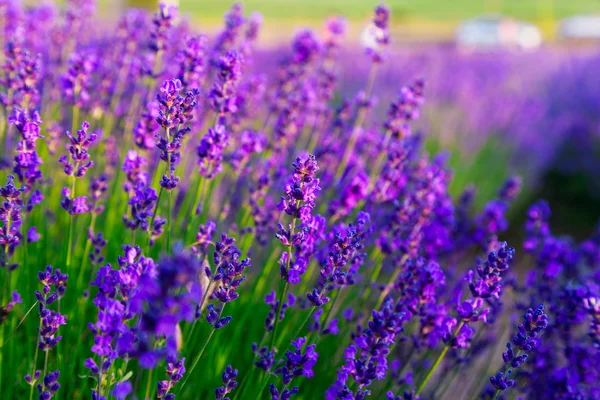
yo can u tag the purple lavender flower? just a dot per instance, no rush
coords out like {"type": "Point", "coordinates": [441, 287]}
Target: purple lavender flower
{"type": "Point", "coordinates": [486, 284]}
{"type": "Point", "coordinates": [300, 194]}
{"type": "Point", "coordinates": [78, 161]}
{"type": "Point", "coordinates": [10, 215]}
{"type": "Point", "coordinates": [234, 20]}
{"type": "Point", "coordinates": [27, 162]}
{"type": "Point", "coordinates": [174, 112]}
{"type": "Point", "coordinates": [162, 21]}
{"type": "Point", "coordinates": [378, 33]}
{"type": "Point", "coordinates": [76, 81]}
{"type": "Point", "coordinates": [210, 151]}
{"type": "Point", "coordinates": [175, 371]}
{"type": "Point", "coordinates": [524, 342]}
{"type": "Point", "coordinates": [338, 269]}
{"type": "Point", "coordinates": [405, 110]}
{"type": "Point", "coordinates": [298, 363]}
{"type": "Point", "coordinates": [229, 383]}
{"type": "Point", "coordinates": [223, 95]}
{"type": "Point", "coordinates": [176, 283]}
{"type": "Point", "coordinates": [50, 320]}
{"type": "Point", "coordinates": [536, 225]}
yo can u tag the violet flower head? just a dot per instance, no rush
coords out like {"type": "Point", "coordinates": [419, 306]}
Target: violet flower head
{"type": "Point", "coordinates": [10, 216]}
{"type": "Point", "coordinates": [405, 110]}
{"type": "Point", "coordinates": [537, 226]}
{"type": "Point", "coordinates": [366, 357]}
{"type": "Point", "coordinates": [485, 283]}
{"type": "Point", "coordinates": [134, 166]}
{"type": "Point", "coordinates": [78, 161]}
{"type": "Point", "coordinates": [339, 270]}
{"type": "Point", "coordinates": [301, 193]}
{"type": "Point", "coordinates": [50, 320]}
{"type": "Point", "coordinates": [378, 33]}
{"type": "Point", "coordinates": [76, 82]}
{"type": "Point", "coordinates": [210, 151]}
{"type": "Point", "coordinates": [162, 21]}
{"type": "Point", "coordinates": [192, 61]}
{"type": "Point", "coordinates": [516, 354]}
{"type": "Point", "coordinates": [298, 363]}
{"type": "Point", "coordinates": [230, 269]}
{"type": "Point", "coordinates": [229, 383]}
{"type": "Point", "coordinates": [175, 111]}
{"type": "Point", "coordinates": [27, 161]}
{"type": "Point", "coordinates": [234, 20]}
{"type": "Point", "coordinates": [49, 386]}
{"type": "Point", "coordinates": [176, 284]}
{"type": "Point", "coordinates": [175, 371]}
{"type": "Point", "coordinates": [147, 128]}
{"type": "Point", "coordinates": [223, 95]}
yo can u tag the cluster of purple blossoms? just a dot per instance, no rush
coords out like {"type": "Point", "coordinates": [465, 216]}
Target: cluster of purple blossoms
{"type": "Point", "coordinates": [298, 203]}
{"type": "Point", "coordinates": [113, 337]}
{"type": "Point", "coordinates": [27, 161]}
{"type": "Point", "coordinates": [165, 298]}
{"type": "Point", "coordinates": [485, 286]}
{"type": "Point", "coordinates": [50, 321]}
{"type": "Point", "coordinates": [76, 166]}
{"type": "Point", "coordinates": [234, 20]}
{"type": "Point", "coordinates": [146, 129]}
{"type": "Point", "coordinates": [223, 95]}
{"type": "Point", "coordinates": [163, 22]}
{"type": "Point", "coordinates": [537, 226]}
{"type": "Point", "coordinates": [342, 263]}
{"type": "Point", "coordinates": [175, 111]}
{"type": "Point", "coordinates": [492, 220]}
{"type": "Point", "coordinates": [229, 383]}
{"type": "Point", "coordinates": [379, 34]}
{"type": "Point", "coordinates": [227, 277]}
{"type": "Point", "coordinates": [526, 339]}
{"type": "Point", "coordinates": [366, 358]}
{"type": "Point", "coordinates": [175, 371]}
{"type": "Point", "coordinates": [10, 215]}
{"type": "Point", "coordinates": [297, 363]}
{"type": "Point", "coordinates": [273, 303]}
{"type": "Point", "coordinates": [405, 110]}
{"type": "Point", "coordinates": [76, 82]}
{"type": "Point", "coordinates": [210, 151]}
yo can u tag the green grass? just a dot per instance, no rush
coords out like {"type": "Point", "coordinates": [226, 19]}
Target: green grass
{"type": "Point", "coordinates": [419, 9]}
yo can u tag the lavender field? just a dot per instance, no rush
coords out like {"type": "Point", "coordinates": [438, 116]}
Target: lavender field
{"type": "Point", "coordinates": [201, 216]}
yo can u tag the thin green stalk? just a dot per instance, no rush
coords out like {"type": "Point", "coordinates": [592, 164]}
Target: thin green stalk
{"type": "Point", "coordinates": [18, 325]}
{"type": "Point", "coordinates": [86, 250]}
{"type": "Point", "coordinates": [37, 350]}
{"type": "Point", "coordinates": [169, 212]}
{"type": "Point", "coordinates": [439, 360]}
{"type": "Point", "coordinates": [199, 356]}
{"type": "Point", "coordinates": [150, 227]}
{"type": "Point", "coordinates": [71, 227]}
{"type": "Point", "coordinates": [278, 314]}
{"type": "Point", "coordinates": [149, 384]}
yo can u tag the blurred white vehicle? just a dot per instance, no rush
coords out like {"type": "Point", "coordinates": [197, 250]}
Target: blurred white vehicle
{"type": "Point", "coordinates": [494, 30]}
{"type": "Point", "coordinates": [580, 27]}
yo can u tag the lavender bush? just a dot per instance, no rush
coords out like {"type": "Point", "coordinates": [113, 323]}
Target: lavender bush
{"type": "Point", "coordinates": [241, 227]}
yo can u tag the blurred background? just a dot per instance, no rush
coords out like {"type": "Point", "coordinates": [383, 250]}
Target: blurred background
{"type": "Point", "coordinates": [513, 86]}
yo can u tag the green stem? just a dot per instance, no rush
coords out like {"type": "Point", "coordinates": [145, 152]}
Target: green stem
{"type": "Point", "coordinates": [71, 227]}
{"type": "Point", "coordinates": [149, 384]}
{"type": "Point", "coordinates": [199, 356]}
{"type": "Point", "coordinates": [150, 227]}
{"type": "Point", "coordinates": [278, 313]}
{"type": "Point", "coordinates": [169, 199]}
{"type": "Point", "coordinates": [439, 359]}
